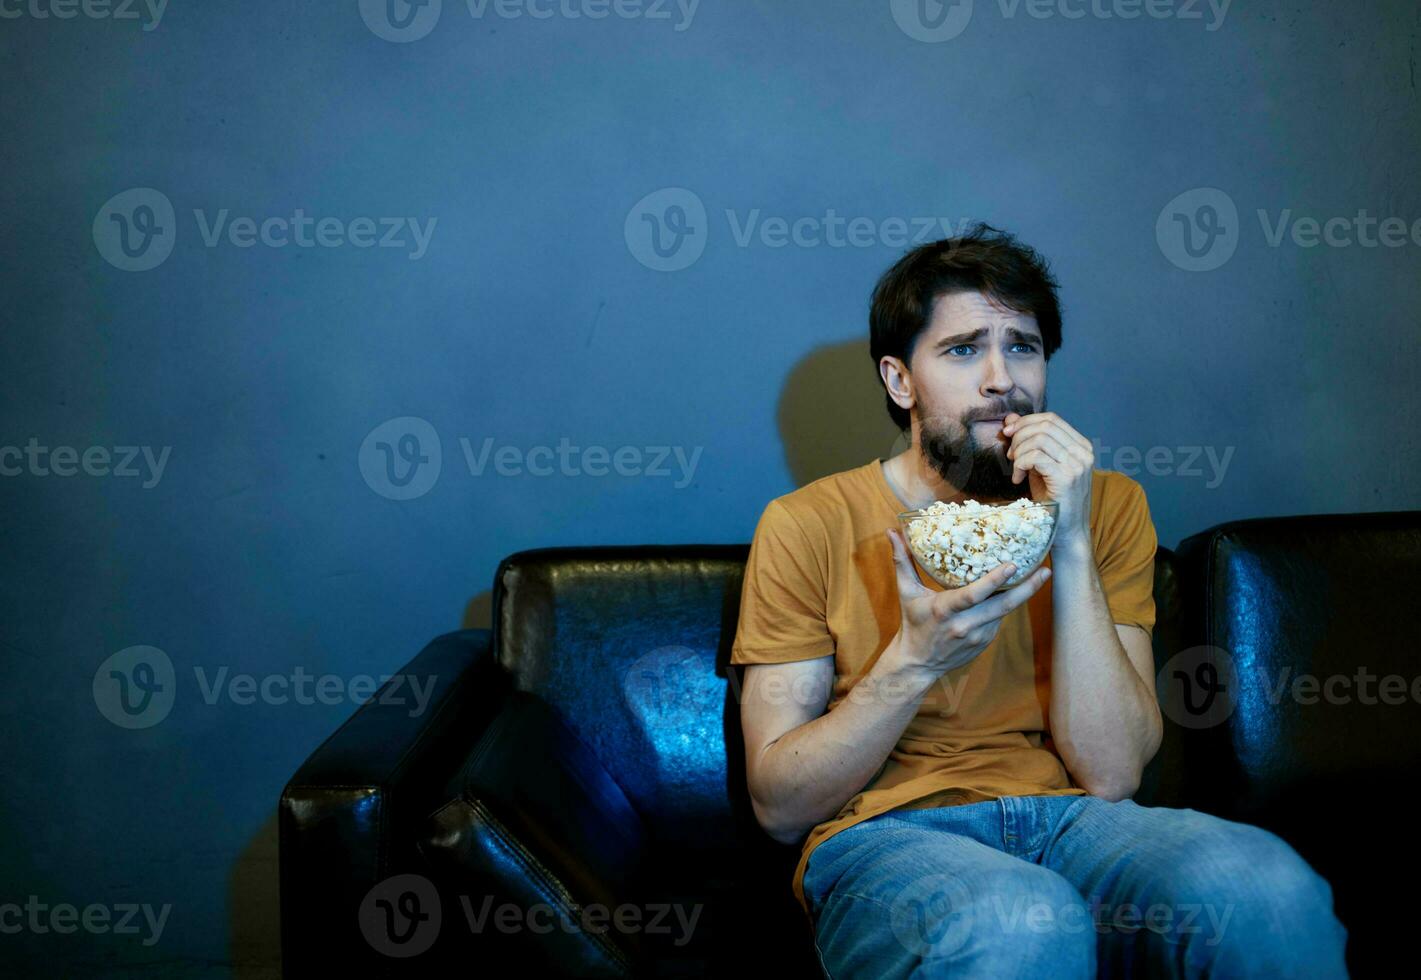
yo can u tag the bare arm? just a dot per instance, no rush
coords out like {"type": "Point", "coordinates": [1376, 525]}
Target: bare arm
{"type": "Point", "coordinates": [804, 764]}
{"type": "Point", "coordinates": [1105, 718]}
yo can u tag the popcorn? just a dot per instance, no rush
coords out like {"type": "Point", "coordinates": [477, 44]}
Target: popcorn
{"type": "Point", "coordinates": [959, 543]}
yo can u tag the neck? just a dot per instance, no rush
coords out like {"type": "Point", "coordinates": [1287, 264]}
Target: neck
{"type": "Point", "coordinates": [918, 484]}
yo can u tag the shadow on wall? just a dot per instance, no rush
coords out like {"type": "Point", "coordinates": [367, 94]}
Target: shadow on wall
{"type": "Point", "coordinates": [478, 614]}
{"type": "Point", "coordinates": [254, 903]}
{"type": "Point", "coordinates": [833, 414]}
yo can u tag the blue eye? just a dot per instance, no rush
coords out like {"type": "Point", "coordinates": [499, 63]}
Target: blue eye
{"type": "Point", "coordinates": [1030, 348]}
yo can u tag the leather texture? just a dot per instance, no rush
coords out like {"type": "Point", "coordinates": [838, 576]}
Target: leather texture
{"type": "Point", "coordinates": [348, 819]}
{"type": "Point", "coordinates": [588, 750]}
{"type": "Point", "coordinates": [1303, 618]}
{"type": "Point", "coordinates": [538, 822]}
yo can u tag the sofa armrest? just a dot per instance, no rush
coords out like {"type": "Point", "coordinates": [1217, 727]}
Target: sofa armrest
{"type": "Point", "coordinates": [348, 817]}
{"type": "Point", "coordinates": [540, 829]}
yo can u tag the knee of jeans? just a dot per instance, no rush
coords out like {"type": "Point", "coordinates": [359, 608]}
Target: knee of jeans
{"type": "Point", "coordinates": [1264, 886]}
{"type": "Point", "coordinates": [1277, 920]}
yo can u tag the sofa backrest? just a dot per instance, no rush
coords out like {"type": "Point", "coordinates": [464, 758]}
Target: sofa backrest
{"type": "Point", "coordinates": [631, 645]}
{"type": "Point", "coordinates": [1300, 661]}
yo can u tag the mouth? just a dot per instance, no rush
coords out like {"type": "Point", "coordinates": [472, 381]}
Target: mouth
{"type": "Point", "coordinates": [997, 421]}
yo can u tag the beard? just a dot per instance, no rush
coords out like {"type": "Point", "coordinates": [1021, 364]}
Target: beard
{"type": "Point", "coordinates": [977, 470]}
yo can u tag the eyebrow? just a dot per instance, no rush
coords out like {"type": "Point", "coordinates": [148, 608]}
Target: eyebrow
{"type": "Point", "coordinates": [1015, 333]}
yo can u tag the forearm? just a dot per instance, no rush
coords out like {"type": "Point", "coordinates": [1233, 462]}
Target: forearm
{"type": "Point", "coordinates": [1104, 721]}
{"type": "Point", "coordinates": [807, 775]}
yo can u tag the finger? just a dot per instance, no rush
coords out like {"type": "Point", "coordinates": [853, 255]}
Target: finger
{"type": "Point", "coordinates": [1035, 459]}
{"type": "Point", "coordinates": [1065, 433]}
{"type": "Point", "coordinates": [1004, 602]}
{"type": "Point", "coordinates": [1036, 426]}
{"type": "Point", "coordinates": [1068, 445]}
{"type": "Point", "coordinates": [1049, 445]}
{"type": "Point", "coordinates": [953, 601]}
{"type": "Point", "coordinates": [908, 582]}
{"type": "Point", "coordinates": [1041, 439]}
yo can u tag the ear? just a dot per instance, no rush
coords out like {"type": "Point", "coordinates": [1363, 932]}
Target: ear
{"type": "Point", "coordinates": [895, 378]}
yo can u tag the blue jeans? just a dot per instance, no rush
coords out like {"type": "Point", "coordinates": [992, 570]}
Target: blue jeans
{"type": "Point", "coordinates": [1037, 886]}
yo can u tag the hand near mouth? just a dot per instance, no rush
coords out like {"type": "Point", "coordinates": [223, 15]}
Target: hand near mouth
{"type": "Point", "coordinates": [1058, 461]}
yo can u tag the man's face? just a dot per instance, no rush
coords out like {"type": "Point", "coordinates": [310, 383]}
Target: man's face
{"type": "Point", "coordinates": [963, 384]}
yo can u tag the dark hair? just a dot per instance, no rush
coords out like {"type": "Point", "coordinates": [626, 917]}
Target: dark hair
{"type": "Point", "coordinates": [985, 260]}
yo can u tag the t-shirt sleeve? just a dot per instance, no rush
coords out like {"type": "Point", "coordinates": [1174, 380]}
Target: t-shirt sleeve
{"type": "Point", "coordinates": [1125, 558]}
{"type": "Point", "coordinates": [783, 600]}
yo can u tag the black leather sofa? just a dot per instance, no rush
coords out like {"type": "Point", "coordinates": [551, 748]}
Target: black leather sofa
{"type": "Point", "coordinates": [578, 774]}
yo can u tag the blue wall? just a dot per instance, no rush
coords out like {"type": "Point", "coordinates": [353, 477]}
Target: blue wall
{"type": "Point", "coordinates": [542, 308]}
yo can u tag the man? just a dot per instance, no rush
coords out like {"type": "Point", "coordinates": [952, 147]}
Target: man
{"type": "Point", "coordinates": [959, 764]}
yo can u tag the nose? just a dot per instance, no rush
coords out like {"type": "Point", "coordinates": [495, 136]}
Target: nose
{"type": "Point", "coordinates": [997, 381]}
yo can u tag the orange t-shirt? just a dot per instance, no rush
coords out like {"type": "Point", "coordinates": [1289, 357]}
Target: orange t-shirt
{"type": "Point", "coordinates": [820, 581]}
